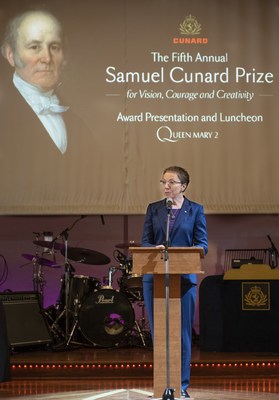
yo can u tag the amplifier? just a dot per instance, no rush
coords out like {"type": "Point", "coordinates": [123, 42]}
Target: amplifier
{"type": "Point", "coordinates": [26, 323]}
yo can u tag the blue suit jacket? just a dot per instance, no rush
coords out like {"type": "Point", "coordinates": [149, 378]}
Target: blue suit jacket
{"type": "Point", "coordinates": [189, 228]}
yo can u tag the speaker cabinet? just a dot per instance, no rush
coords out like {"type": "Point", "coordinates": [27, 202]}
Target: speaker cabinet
{"type": "Point", "coordinates": [211, 313]}
{"type": "Point", "coordinates": [5, 372]}
{"type": "Point", "coordinates": [26, 324]}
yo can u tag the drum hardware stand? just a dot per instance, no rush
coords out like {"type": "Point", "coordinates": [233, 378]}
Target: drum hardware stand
{"type": "Point", "coordinates": [67, 285]}
{"type": "Point", "coordinates": [112, 271]}
{"type": "Point", "coordinates": [125, 267]}
{"type": "Point", "coordinates": [140, 325]}
{"type": "Point", "coordinates": [65, 234]}
{"type": "Point", "coordinates": [54, 327]}
{"type": "Point", "coordinates": [140, 333]}
{"type": "Point", "coordinates": [38, 278]}
{"type": "Point", "coordinates": [75, 324]}
{"type": "Point", "coordinates": [76, 304]}
{"type": "Point", "coordinates": [38, 274]}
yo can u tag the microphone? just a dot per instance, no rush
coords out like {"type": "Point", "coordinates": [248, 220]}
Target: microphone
{"type": "Point", "coordinates": [66, 231]}
{"type": "Point", "coordinates": [62, 234]}
{"type": "Point", "coordinates": [121, 257]}
{"type": "Point", "coordinates": [169, 203]}
{"type": "Point", "coordinates": [272, 244]}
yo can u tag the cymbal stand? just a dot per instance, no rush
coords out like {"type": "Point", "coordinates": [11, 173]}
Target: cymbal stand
{"type": "Point", "coordinates": [67, 274]}
{"type": "Point", "coordinates": [38, 274]}
{"type": "Point", "coordinates": [65, 235]}
{"type": "Point", "coordinates": [67, 286]}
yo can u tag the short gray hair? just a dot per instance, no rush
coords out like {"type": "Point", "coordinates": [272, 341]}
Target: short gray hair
{"type": "Point", "coordinates": [11, 33]}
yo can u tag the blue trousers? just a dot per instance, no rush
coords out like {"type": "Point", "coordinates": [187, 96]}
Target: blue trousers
{"type": "Point", "coordinates": [188, 301]}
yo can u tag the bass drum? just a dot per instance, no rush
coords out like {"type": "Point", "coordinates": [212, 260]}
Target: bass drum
{"type": "Point", "coordinates": [106, 317]}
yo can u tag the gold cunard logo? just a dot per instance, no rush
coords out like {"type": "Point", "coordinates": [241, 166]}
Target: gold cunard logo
{"type": "Point", "coordinates": [190, 31]}
{"type": "Point", "coordinates": [256, 297]}
{"type": "Point", "coordinates": [190, 26]}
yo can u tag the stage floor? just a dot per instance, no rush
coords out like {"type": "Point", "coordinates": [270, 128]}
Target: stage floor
{"type": "Point", "coordinates": [127, 373]}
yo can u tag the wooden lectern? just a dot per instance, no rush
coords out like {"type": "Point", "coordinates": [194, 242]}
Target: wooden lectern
{"type": "Point", "coordinates": [181, 260]}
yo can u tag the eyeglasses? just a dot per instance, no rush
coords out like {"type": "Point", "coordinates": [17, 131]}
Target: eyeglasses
{"type": "Point", "coordinates": [171, 182]}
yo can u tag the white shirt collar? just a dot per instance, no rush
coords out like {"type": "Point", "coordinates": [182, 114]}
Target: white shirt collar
{"type": "Point", "coordinates": [47, 108]}
{"type": "Point", "coordinates": [41, 102]}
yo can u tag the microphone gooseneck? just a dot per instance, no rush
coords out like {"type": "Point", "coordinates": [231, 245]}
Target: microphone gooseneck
{"type": "Point", "coordinates": [169, 203]}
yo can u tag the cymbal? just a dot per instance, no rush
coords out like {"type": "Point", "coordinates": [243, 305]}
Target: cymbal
{"type": "Point", "coordinates": [127, 245]}
{"type": "Point", "coordinates": [40, 260]}
{"type": "Point", "coordinates": [49, 245]}
{"type": "Point", "coordinates": [86, 256]}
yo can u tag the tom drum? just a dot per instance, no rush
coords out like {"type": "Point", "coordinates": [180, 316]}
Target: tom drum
{"type": "Point", "coordinates": [131, 286]}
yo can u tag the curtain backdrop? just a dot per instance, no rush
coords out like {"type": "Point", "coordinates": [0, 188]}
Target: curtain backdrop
{"type": "Point", "coordinates": [151, 84]}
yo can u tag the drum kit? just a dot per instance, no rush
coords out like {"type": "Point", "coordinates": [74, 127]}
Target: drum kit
{"type": "Point", "coordinates": [89, 312]}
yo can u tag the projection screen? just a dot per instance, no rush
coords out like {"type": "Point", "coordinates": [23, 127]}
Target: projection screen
{"type": "Point", "coordinates": [149, 84]}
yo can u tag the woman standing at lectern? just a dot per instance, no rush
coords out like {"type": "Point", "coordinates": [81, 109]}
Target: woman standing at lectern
{"type": "Point", "coordinates": [187, 228]}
